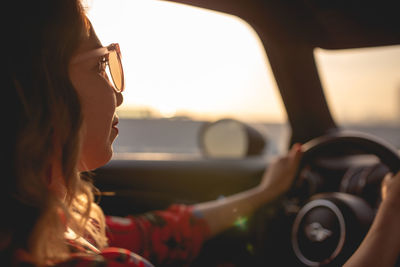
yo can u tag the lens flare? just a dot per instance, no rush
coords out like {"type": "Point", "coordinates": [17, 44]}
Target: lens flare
{"type": "Point", "coordinates": [241, 223]}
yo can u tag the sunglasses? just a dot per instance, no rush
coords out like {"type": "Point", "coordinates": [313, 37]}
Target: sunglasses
{"type": "Point", "coordinates": [112, 58]}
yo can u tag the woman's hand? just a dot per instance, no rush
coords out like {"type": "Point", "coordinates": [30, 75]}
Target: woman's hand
{"type": "Point", "coordinates": [280, 174]}
{"type": "Point", "coordinates": [391, 189]}
{"type": "Point", "coordinates": [222, 213]}
{"type": "Point", "coordinates": [390, 206]}
{"type": "Point", "coordinates": [381, 246]}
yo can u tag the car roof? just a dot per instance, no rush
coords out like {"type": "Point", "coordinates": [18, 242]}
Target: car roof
{"type": "Point", "coordinates": [337, 24]}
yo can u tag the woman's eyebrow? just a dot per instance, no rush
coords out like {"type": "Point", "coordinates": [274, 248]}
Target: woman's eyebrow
{"type": "Point", "coordinates": [89, 54]}
{"type": "Point", "coordinates": [90, 47]}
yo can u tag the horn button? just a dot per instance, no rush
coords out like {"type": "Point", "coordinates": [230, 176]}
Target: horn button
{"type": "Point", "coordinates": [329, 228]}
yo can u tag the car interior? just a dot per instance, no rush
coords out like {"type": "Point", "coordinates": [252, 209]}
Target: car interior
{"type": "Point", "coordinates": [331, 205]}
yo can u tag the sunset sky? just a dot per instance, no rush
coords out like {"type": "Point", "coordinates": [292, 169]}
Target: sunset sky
{"type": "Point", "coordinates": [180, 60]}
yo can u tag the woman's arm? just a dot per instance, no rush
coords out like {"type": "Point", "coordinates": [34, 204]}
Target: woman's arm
{"type": "Point", "coordinates": [222, 214]}
{"type": "Point", "coordinates": [178, 233]}
{"type": "Point", "coordinates": [381, 246]}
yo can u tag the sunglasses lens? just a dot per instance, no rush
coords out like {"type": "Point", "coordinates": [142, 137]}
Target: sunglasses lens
{"type": "Point", "coordinates": [116, 70]}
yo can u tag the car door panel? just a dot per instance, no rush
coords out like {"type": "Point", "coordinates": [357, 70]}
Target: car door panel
{"type": "Point", "coordinates": [135, 186]}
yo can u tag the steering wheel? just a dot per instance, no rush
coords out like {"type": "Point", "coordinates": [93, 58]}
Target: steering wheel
{"type": "Point", "coordinates": [329, 226]}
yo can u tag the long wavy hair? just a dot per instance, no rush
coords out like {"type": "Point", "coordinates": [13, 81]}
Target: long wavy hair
{"type": "Point", "coordinates": [43, 122]}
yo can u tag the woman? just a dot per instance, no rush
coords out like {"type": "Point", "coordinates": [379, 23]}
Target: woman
{"type": "Point", "coordinates": [62, 122]}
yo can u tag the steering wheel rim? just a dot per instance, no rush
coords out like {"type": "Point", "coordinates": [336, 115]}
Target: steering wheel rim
{"type": "Point", "coordinates": [363, 142]}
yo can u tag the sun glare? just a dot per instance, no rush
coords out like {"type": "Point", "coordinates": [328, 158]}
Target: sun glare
{"type": "Point", "coordinates": [187, 61]}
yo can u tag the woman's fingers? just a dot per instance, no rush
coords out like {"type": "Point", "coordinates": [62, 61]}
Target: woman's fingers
{"type": "Point", "coordinates": [293, 158]}
{"type": "Point", "coordinates": [295, 153]}
{"type": "Point", "coordinates": [385, 183]}
{"type": "Point", "coordinates": [391, 187]}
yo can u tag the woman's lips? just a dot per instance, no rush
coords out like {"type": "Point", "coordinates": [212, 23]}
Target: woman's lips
{"type": "Point", "coordinates": [115, 121]}
{"type": "Point", "coordinates": [115, 127]}
{"type": "Point", "coordinates": [114, 124]}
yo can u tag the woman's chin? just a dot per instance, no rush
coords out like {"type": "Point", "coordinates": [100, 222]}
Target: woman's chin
{"type": "Point", "coordinates": [96, 161]}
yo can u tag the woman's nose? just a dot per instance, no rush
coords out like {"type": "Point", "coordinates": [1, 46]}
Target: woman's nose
{"type": "Point", "coordinates": [119, 97]}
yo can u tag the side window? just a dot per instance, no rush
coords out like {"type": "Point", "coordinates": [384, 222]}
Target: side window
{"type": "Point", "coordinates": [184, 66]}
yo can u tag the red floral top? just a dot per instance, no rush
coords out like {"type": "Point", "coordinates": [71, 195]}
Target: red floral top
{"type": "Point", "coordinates": [171, 236]}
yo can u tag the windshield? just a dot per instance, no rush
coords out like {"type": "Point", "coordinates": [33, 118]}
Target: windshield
{"type": "Point", "coordinates": [362, 87]}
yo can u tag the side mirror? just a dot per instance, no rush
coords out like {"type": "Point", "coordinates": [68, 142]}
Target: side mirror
{"type": "Point", "coordinates": [229, 138]}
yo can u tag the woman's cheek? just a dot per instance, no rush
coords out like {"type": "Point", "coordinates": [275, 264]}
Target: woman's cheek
{"type": "Point", "coordinates": [98, 107]}
{"type": "Point", "coordinates": [96, 147]}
